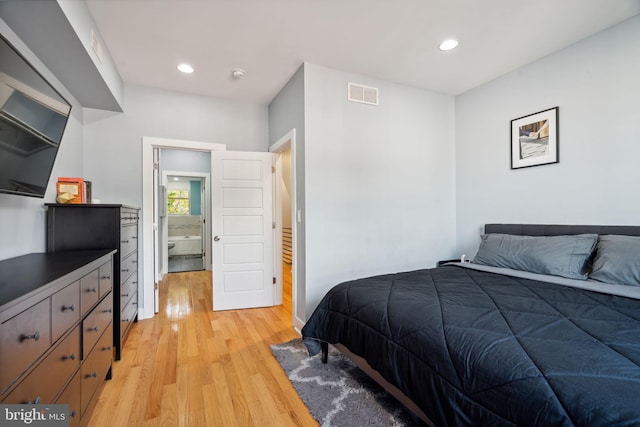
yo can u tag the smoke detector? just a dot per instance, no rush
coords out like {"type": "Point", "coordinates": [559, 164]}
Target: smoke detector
{"type": "Point", "coordinates": [238, 73]}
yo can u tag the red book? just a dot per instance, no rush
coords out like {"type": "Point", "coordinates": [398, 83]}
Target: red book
{"type": "Point", "coordinates": [74, 186]}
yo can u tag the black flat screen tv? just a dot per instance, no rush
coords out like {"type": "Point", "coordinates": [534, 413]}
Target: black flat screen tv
{"type": "Point", "coordinates": [33, 117]}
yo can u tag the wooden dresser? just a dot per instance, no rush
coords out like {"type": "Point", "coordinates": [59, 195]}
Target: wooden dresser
{"type": "Point", "coordinates": [56, 320]}
{"type": "Point", "coordinates": [103, 226]}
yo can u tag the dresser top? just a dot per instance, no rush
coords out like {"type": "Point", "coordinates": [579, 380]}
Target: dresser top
{"type": "Point", "coordinates": [91, 205]}
{"type": "Point", "coordinates": [24, 274]}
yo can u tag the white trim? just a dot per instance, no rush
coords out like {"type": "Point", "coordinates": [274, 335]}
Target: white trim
{"type": "Point", "coordinates": [206, 241]}
{"type": "Point", "coordinates": [277, 231]}
{"type": "Point", "coordinates": [289, 141]}
{"type": "Point", "coordinates": [146, 289]}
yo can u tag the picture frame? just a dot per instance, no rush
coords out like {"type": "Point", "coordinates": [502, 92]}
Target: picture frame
{"type": "Point", "coordinates": [534, 139]}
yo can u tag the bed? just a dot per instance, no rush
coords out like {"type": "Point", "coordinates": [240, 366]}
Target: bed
{"type": "Point", "coordinates": [542, 328]}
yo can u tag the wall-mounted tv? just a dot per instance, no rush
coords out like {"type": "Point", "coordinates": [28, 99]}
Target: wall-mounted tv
{"type": "Point", "coordinates": [33, 116]}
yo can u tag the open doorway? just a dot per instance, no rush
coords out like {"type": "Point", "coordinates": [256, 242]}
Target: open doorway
{"type": "Point", "coordinates": [154, 215]}
{"type": "Point", "coordinates": [186, 222]}
{"type": "Point", "coordinates": [287, 218]}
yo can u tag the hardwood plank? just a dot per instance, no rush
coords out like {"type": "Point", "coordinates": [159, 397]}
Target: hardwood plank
{"type": "Point", "coordinates": [194, 367]}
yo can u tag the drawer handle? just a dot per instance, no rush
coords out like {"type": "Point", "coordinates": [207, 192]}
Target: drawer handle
{"type": "Point", "coordinates": [71, 307]}
{"type": "Point", "coordinates": [93, 329]}
{"type": "Point", "coordinates": [125, 241]}
{"type": "Point", "coordinates": [106, 348]}
{"type": "Point", "coordinates": [125, 320]}
{"type": "Point", "coordinates": [135, 237]}
{"type": "Point", "coordinates": [34, 337]}
{"type": "Point", "coordinates": [73, 414]}
{"type": "Point", "coordinates": [135, 282]}
{"type": "Point", "coordinates": [107, 310]}
{"type": "Point", "coordinates": [35, 401]}
{"type": "Point", "coordinates": [125, 270]}
{"type": "Point", "coordinates": [125, 295]}
{"type": "Point", "coordinates": [135, 261]}
{"type": "Point", "coordinates": [91, 290]}
{"type": "Point", "coordinates": [72, 356]}
{"type": "Point", "coordinates": [105, 277]}
{"type": "Point", "coordinates": [92, 375]}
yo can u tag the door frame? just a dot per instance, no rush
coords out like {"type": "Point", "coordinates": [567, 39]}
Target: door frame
{"type": "Point", "coordinates": [287, 141]}
{"type": "Point", "coordinates": [149, 224]}
{"type": "Point", "coordinates": [206, 203]}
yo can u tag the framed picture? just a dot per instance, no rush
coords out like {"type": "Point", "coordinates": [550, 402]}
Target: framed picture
{"type": "Point", "coordinates": [534, 139]}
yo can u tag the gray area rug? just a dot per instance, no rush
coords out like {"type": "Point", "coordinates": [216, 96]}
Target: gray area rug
{"type": "Point", "coordinates": [338, 393]}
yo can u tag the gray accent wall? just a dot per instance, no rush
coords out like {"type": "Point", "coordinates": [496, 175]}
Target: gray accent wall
{"type": "Point", "coordinates": [380, 180]}
{"type": "Point", "coordinates": [286, 112]}
{"type": "Point", "coordinates": [596, 85]}
{"type": "Point", "coordinates": [113, 141]}
{"type": "Point", "coordinates": [23, 219]}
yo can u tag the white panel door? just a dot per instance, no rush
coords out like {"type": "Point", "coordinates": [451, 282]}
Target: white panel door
{"type": "Point", "coordinates": [242, 218]}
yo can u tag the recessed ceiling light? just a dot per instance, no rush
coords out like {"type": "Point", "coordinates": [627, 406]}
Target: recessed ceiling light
{"type": "Point", "coordinates": [185, 68]}
{"type": "Point", "coordinates": [175, 178]}
{"type": "Point", "coordinates": [448, 44]}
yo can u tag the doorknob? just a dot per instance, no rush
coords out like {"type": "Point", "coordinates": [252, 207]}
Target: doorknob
{"type": "Point", "coordinates": [216, 238]}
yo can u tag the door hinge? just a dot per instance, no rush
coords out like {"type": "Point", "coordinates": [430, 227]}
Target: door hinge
{"type": "Point", "coordinates": [274, 280]}
{"type": "Point", "coordinates": [156, 165]}
{"type": "Point", "coordinates": [273, 169]}
{"type": "Point", "coordinates": [273, 225]}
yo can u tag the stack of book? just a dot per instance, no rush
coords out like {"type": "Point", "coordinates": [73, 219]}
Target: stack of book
{"type": "Point", "coordinates": [73, 190]}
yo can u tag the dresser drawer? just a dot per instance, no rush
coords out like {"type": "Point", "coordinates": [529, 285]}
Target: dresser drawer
{"type": "Point", "coordinates": [128, 315]}
{"type": "Point", "coordinates": [128, 266]}
{"type": "Point", "coordinates": [71, 396]}
{"type": "Point", "coordinates": [94, 369]}
{"type": "Point", "coordinates": [65, 310]}
{"type": "Point", "coordinates": [45, 381]}
{"type": "Point", "coordinates": [128, 239]}
{"type": "Point", "coordinates": [94, 325]}
{"type": "Point", "coordinates": [23, 338]}
{"type": "Point", "coordinates": [89, 291]}
{"type": "Point", "coordinates": [128, 216]}
{"type": "Point", "coordinates": [105, 274]}
{"type": "Point", "coordinates": [127, 290]}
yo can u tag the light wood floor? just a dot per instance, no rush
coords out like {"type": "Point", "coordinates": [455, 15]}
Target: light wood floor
{"type": "Point", "coordinates": [189, 366]}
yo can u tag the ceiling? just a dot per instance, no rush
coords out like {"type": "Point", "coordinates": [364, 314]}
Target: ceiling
{"type": "Point", "coordinates": [390, 40]}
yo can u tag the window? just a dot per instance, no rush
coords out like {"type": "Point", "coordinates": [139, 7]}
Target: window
{"type": "Point", "coordinates": [178, 202]}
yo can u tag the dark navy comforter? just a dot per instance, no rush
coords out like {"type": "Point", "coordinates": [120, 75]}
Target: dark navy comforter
{"type": "Point", "coordinates": [477, 348]}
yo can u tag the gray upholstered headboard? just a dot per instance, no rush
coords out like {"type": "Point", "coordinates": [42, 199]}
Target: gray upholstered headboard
{"type": "Point", "coordinates": [555, 230]}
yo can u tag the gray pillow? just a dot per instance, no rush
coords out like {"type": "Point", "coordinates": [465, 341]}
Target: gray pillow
{"type": "Point", "coordinates": [564, 256]}
{"type": "Point", "coordinates": [617, 260]}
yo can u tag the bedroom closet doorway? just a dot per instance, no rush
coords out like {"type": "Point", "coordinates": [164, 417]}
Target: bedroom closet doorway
{"type": "Point", "coordinates": [286, 219]}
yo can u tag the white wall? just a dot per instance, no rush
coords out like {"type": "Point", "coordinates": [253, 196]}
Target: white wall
{"type": "Point", "coordinates": [380, 189]}
{"type": "Point", "coordinates": [113, 154]}
{"type": "Point", "coordinates": [596, 85]}
{"type": "Point", "coordinates": [23, 219]}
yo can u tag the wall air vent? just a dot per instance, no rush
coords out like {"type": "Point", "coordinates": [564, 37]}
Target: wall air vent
{"type": "Point", "coordinates": [363, 94]}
